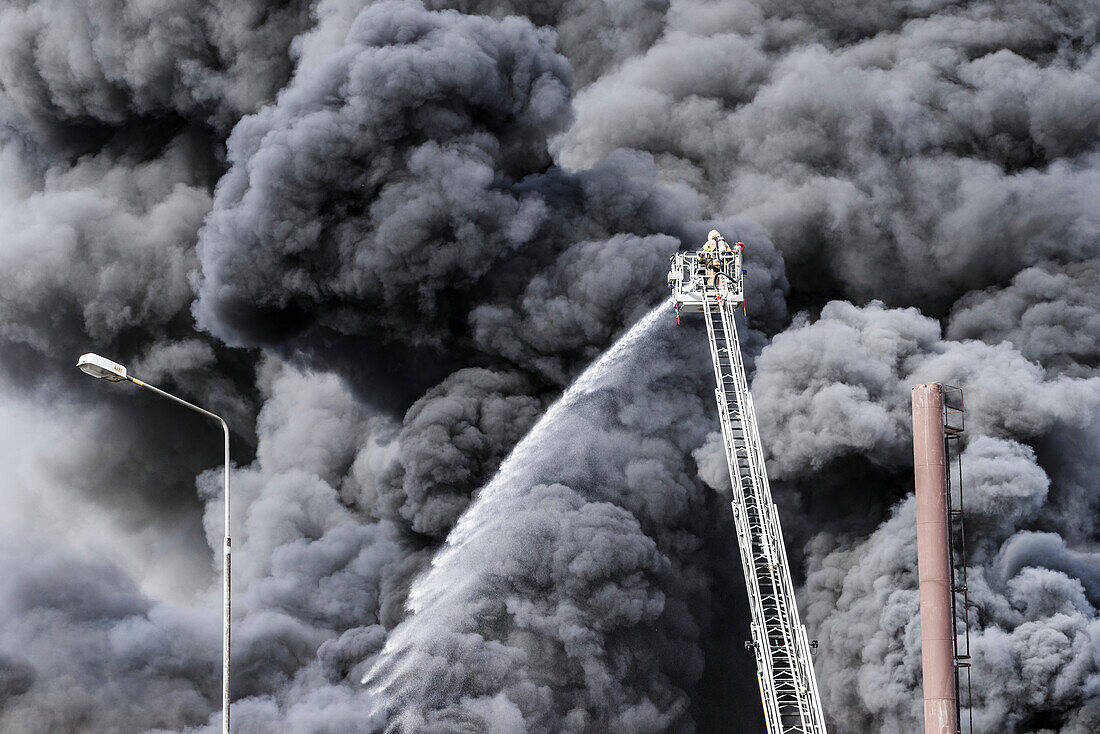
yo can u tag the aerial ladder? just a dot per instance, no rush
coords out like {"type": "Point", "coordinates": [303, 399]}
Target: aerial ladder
{"type": "Point", "coordinates": [711, 281]}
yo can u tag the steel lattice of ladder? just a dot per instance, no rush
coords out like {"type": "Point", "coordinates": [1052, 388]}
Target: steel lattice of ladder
{"type": "Point", "coordinates": [788, 686]}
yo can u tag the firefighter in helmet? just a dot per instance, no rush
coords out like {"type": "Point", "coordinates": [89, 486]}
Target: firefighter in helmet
{"type": "Point", "coordinates": [711, 256]}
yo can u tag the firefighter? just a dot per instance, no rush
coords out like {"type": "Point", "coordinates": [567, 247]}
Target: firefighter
{"type": "Point", "coordinates": [710, 257]}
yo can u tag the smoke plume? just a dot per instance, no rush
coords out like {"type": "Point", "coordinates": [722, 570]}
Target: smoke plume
{"type": "Point", "coordinates": [414, 253]}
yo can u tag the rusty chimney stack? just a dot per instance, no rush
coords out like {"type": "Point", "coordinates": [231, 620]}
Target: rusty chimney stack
{"type": "Point", "coordinates": [934, 560]}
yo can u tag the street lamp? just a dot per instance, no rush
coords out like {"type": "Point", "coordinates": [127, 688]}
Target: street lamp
{"type": "Point", "coordinates": [105, 369]}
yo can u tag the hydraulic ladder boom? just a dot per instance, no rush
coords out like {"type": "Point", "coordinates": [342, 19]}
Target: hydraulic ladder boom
{"type": "Point", "coordinates": [712, 284]}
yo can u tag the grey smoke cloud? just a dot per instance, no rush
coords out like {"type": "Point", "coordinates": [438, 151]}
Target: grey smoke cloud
{"type": "Point", "coordinates": [857, 365]}
{"type": "Point", "coordinates": [96, 254]}
{"type": "Point", "coordinates": [441, 214]}
{"type": "Point", "coordinates": [452, 441]}
{"type": "Point", "coordinates": [565, 598]}
{"type": "Point", "coordinates": [422, 228]}
{"type": "Point", "coordinates": [1035, 625]}
{"type": "Point", "coordinates": [318, 575]}
{"type": "Point", "coordinates": [580, 300]}
{"type": "Point", "coordinates": [107, 63]}
{"type": "Point", "coordinates": [423, 112]}
{"type": "Point", "coordinates": [625, 28]}
{"type": "Point", "coordinates": [99, 249]}
{"type": "Point", "coordinates": [860, 593]}
{"type": "Point", "coordinates": [842, 148]}
{"type": "Point", "coordinates": [1048, 313]}
{"type": "Point", "coordinates": [93, 650]}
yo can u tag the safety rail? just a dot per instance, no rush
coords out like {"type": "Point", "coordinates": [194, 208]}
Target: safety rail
{"type": "Point", "coordinates": [689, 276]}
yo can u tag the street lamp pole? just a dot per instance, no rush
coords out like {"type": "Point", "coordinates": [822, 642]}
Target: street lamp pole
{"type": "Point", "coordinates": [103, 368]}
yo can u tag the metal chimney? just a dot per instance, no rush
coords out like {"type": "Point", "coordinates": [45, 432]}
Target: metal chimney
{"type": "Point", "coordinates": [934, 570]}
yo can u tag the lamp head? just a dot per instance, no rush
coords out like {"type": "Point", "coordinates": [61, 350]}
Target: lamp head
{"type": "Point", "coordinates": [101, 367]}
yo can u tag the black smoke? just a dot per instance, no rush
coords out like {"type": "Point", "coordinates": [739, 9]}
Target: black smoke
{"type": "Point", "coordinates": [389, 241]}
